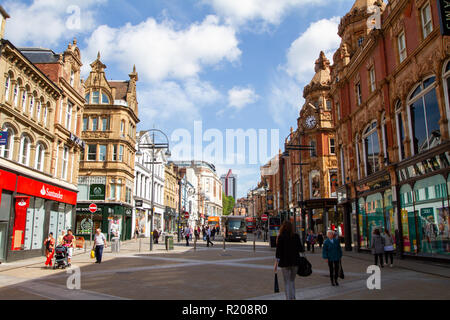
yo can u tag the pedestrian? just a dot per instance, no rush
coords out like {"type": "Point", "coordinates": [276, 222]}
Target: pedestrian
{"type": "Point", "coordinates": [49, 249]}
{"type": "Point", "coordinates": [311, 240]}
{"type": "Point", "coordinates": [377, 246]}
{"type": "Point", "coordinates": [213, 232]}
{"type": "Point", "coordinates": [136, 234]}
{"type": "Point", "coordinates": [61, 237]}
{"type": "Point", "coordinates": [196, 234]}
{"type": "Point", "coordinates": [68, 242]}
{"type": "Point", "coordinates": [308, 243]}
{"type": "Point", "coordinates": [320, 239]}
{"type": "Point", "coordinates": [99, 245]}
{"type": "Point", "coordinates": [332, 252]}
{"type": "Point", "coordinates": [155, 236]}
{"type": "Point", "coordinates": [388, 247]}
{"type": "Point", "coordinates": [287, 257]}
{"type": "Point", "coordinates": [204, 233]}
{"type": "Point", "coordinates": [208, 237]}
{"type": "Point", "coordinates": [187, 234]}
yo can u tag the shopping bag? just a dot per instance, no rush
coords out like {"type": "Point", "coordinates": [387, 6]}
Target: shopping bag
{"type": "Point", "coordinates": [276, 288]}
{"type": "Point", "coordinates": [304, 267]}
{"type": "Point", "coordinates": [341, 271]}
{"type": "Point", "coordinates": [92, 254]}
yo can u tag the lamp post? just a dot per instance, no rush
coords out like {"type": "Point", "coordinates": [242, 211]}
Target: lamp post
{"type": "Point", "coordinates": [149, 143]}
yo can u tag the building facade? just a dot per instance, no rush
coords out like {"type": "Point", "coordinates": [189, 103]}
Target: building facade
{"type": "Point", "coordinates": [171, 197]}
{"type": "Point", "coordinates": [106, 175]}
{"type": "Point", "coordinates": [390, 88]}
{"type": "Point", "coordinates": [229, 184]}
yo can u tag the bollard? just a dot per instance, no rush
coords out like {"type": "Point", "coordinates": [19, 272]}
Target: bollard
{"type": "Point", "coordinates": [140, 244]}
{"type": "Point", "coordinates": [195, 243]}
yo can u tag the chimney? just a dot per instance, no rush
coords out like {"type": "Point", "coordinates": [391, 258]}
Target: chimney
{"type": "Point", "coordinates": [3, 15]}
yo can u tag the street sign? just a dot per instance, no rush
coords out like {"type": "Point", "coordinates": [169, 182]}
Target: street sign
{"type": "Point", "coordinates": [92, 207]}
{"type": "Point", "coordinates": [186, 215]}
{"type": "Point", "coordinates": [3, 138]}
{"type": "Point", "coordinates": [264, 217]}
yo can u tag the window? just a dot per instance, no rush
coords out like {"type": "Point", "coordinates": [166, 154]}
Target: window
{"type": "Point", "coordinates": [358, 159]}
{"type": "Point", "coordinates": [446, 81]}
{"type": "Point", "coordinates": [24, 156]}
{"type": "Point", "coordinates": [400, 130]}
{"type": "Point", "coordinates": [102, 152]}
{"type": "Point", "coordinates": [338, 110]}
{"type": "Point", "coordinates": [16, 95]}
{"type": "Point", "coordinates": [358, 93]}
{"type": "Point", "coordinates": [119, 188]}
{"type": "Point", "coordinates": [45, 115]}
{"type": "Point", "coordinates": [7, 85]}
{"type": "Point", "coordinates": [122, 128]}
{"type": "Point", "coordinates": [332, 146]}
{"type": "Point", "coordinates": [328, 104]}
{"type": "Point", "coordinates": [313, 151]}
{"type": "Point", "coordinates": [401, 47]}
{"type": "Point", "coordinates": [94, 124]}
{"type": "Point", "coordinates": [65, 163]}
{"type": "Point", "coordinates": [105, 99]}
{"type": "Point", "coordinates": [424, 116]}
{"type": "Point", "coordinates": [371, 149]}
{"type": "Point", "coordinates": [114, 155]}
{"type": "Point", "coordinates": [92, 152]}
{"type": "Point", "coordinates": [57, 159]}
{"type": "Point", "coordinates": [120, 153]}
{"type": "Point", "coordinates": [113, 192]}
{"type": "Point", "coordinates": [105, 124]}
{"type": "Point", "coordinates": [38, 111]}
{"type": "Point", "coordinates": [85, 123]}
{"type": "Point", "coordinates": [24, 100]}
{"type": "Point", "coordinates": [86, 98]}
{"type": "Point", "coordinates": [372, 79]}
{"type": "Point", "coordinates": [341, 151]}
{"type": "Point", "coordinates": [95, 97]}
{"type": "Point", "coordinates": [7, 150]}
{"type": "Point", "coordinates": [69, 115]}
{"type": "Point", "coordinates": [427, 23]}
{"type": "Point", "coordinates": [40, 156]}
{"type": "Point", "coordinates": [383, 134]}
{"type": "Point", "coordinates": [31, 106]}
{"type": "Point", "coordinates": [72, 77]}
{"type": "Point", "coordinates": [360, 41]}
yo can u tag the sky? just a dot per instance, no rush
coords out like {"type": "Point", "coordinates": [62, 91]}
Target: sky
{"type": "Point", "coordinates": [207, 69]}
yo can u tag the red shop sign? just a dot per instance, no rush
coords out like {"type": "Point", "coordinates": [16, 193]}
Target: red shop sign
{"type": "Point", "coordinates": [21, 206]}
{"type": "Point", "coordinates": [46, 191]}
{"type": "Point", "coordinates": [8, 180]}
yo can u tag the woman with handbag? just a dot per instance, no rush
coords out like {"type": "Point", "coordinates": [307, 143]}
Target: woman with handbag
{"type": "Point", "coordinates": [388, 247]}
{"type": "Point", "coordinates": [287, 257]}
{"type": "Point", "coordinates": [377, 246]}
{"type": "Point", "coordinates": [332, 252]}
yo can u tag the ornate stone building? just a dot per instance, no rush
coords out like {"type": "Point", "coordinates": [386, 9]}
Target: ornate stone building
{"type": "Point", "coordinates": [390, 88]}
{"type": "Point", "coordinates": [106, 174]}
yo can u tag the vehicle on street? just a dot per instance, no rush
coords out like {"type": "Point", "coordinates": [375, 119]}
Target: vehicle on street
{"type": "Point", "coordinates": [235, 228]}
{"type": "Point", "coordinates": [250, 224]}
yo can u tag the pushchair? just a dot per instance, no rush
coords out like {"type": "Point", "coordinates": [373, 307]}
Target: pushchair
{"type": "Point", "coordinates": [61, 259]}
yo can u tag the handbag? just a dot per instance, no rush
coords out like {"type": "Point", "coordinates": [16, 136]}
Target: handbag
{"type": "Point", "coordinates": [388, 248]}
{"type": "Point", "coordinates": [276, 288]}
{"type": "Point", "coordinates": [92, 254]}
{"type": "Point", "coordinates": [341, 271]}
{"type": "Point", "coordinates": [304, 266]}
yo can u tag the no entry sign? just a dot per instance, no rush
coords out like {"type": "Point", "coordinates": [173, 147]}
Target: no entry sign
{"type": "Point", "coordinates": [92, 207]}
{"type": "Point", "coordinates": [186, 215]}
{"type": "Point", "coordinates": [264, 217]}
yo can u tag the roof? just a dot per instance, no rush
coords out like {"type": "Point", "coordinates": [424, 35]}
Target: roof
{"type": "Point", "coordinates": [40, 55]}
{"type": "Point", "coordinates": [121, 89]}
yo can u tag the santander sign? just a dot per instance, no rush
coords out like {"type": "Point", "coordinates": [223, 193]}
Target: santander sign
{"type": "Point", "coordinates": [39, 189]}
{"type": "Point", "coordinates": [52, 194]}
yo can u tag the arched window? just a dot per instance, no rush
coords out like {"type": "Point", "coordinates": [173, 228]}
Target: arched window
{"type": "Point", "coordinates": [40, 157]}
{"type": "Point", "coordinates": [105, 99]}
{"type": "Point", "coordinates": [16, 95]}
{"type": "Point", "coordinates": [424, 116]}
{"type": "Point", "coordinates": [400, 130]}
{"type": "Point", "coordinates": [7, 85]}
{"type": "Point", "coordinates": [45, 115]}
{"type": "Point", "coordinates": [341, 152]}
{"type": "Point", "coordinates": [95, 97]}
{"type": "Point", "coordinates": [358, 159]}
{"type": "Point", "coordinates": [31, 108]}
{"type": "Point", "coordinates": [24, 100]}
{"type": "Point", "coordinates": [24, 155]}
{"type": "Point", "coordinates": [313, 151]}
{"type": "Point", "coordinates": [7, 150]}
{"type": "Point", "coordinates": [446, 81]}
{"type": "Point", "coordinates": [38, 110]}
{"type": "Point", "coordinates": [371, 149]}
{"type": "Point", "coordinates": [384, 137]}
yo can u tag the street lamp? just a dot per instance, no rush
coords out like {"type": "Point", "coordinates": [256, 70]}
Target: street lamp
{"type": "Point", "coordinates": [145, 142]}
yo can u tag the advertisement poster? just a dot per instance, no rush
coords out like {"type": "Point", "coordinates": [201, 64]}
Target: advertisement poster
{"type": "Point", "coordinates": [406, 239]}
{"type": "Point", "coordinates": [428, 230]}
{"type": "Point", "coordinates": [443, 226]}
{"type": "Point", "coordinates": [315, 184]}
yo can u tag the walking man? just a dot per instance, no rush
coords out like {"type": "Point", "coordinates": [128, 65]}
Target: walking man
{"type": "Point", "coordinates": [208, 237]}
{"type": "Point", "coordinates": [187, 235]}
{"type": "Point", "coordinates": [68, 242]}
{"type": "Point", "coordinates": [99, 245]}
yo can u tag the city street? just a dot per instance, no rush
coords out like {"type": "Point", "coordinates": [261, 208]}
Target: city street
{"type": "Point", "coordinates": [237, 273]}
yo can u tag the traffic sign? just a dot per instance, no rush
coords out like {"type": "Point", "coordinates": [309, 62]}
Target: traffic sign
{"type": "Point", "coordinates": [186, 215]}
{"type": "Point", "coordinates": [92, 207]}
{"type": "Point", "coordinates": [264, 217]}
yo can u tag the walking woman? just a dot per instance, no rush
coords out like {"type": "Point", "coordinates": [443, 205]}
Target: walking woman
{"type": "Point", "coordinates": [388, 247]}
{"type": "Point", "coordinates": [332, 252]}
{"type": "Point", "coordinates": [377, 245]}
{"type": "Point", "coordinates": [288, 248]}
{"type": "Point", "coordinates": [49, 249]}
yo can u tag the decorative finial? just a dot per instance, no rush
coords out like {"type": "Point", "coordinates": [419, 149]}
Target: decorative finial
{"type": "Point", "coordinates": [75, 41]}
{"type": "Point", "coordinates": [98, 55]}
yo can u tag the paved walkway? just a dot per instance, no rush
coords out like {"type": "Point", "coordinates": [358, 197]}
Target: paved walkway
{"type": "Point", "coordinates": [211, 273]}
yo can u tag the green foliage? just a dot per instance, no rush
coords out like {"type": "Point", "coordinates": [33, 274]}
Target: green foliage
{"type": "Point", "coordinates": [227, 204]}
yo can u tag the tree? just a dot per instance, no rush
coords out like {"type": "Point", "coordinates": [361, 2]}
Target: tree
{"type": "Point", "coordinates": [227, 204]}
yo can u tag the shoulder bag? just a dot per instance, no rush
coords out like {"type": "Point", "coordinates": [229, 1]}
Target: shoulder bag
{"type": "Point", "coordinates": [304, 266]}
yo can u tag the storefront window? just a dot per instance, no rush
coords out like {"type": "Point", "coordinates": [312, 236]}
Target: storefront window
{"type": "Point", "coordinates": [391, 216]}
{"type": "Point", "coordinates": [374, 211]}
{"type": "Point", "coordinates": [5, 206]}
{"type": "Point", "coordinates": [34, 228]}
{"type": "Point", "coordinates": [362, 223]}
{"type": "Point", "coordinates": [84, 222]}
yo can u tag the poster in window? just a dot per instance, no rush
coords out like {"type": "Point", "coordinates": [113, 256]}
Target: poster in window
{"type": "Point", "coordinates": [315, 184]}
{"type": "Point", "coordinates": [29, 229]}
{"type": "Point", "coordinates": [334, 184]}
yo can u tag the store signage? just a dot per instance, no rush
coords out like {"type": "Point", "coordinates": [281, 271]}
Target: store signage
{"type": "Point", "coordinates": [46, 191]}
{"type": "Point", "coordinates": [138, 203]}
{"type": "Point", "coordinates": [375, 184]}
{"type": "Point", "coordinates": [444, 16]}
{"type": "Point", "coordinates": [3, 138]}
{"type": "Point", "coordinates": [128, 212]}
{"type": "Point", "coordinates": [92, 207]}
{"type": "Point", "coordinates": [97, 192]}
{"type": "Point", "coordinates": [429, 165]}
{"type": "Point", "coordinates": [77, 140]}
{"type": "Point", "coordinates": [8, 181]}
{"type": "Point", "coordinates": [86, 209]}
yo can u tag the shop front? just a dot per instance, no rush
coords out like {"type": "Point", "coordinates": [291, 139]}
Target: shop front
{"type": "Point", "coordinates": [170, 219]}
{"type": "Point", "coordinates": [112, 219]}
{"type": "Point", "coordinates": [30, 210]}
{"type": "Point", "coordinates": [424, 205]}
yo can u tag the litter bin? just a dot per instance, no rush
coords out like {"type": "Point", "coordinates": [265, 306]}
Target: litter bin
{"type": "Point", "coordinates": [115, 244]}
{"type": "Point", "coordinates": [169, 242]}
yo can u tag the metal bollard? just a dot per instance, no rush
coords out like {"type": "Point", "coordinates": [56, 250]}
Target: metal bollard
{"type": "Point", "coordinates": [140, 244]}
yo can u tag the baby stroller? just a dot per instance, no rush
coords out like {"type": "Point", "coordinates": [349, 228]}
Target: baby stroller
{"type": "Point", "coordinates": [60, 257]}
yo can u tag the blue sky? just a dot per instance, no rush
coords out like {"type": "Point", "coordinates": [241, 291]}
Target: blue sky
{"type": "Point", "coordinates": [228, 63]}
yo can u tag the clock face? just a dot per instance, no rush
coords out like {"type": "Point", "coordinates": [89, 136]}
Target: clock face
{"type": "Point", "coordinates": [310, 122]}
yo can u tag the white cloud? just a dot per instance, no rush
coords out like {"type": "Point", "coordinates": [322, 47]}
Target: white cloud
{"type": "Point", "coordinates": [320, 36]}
{"type": "Point", "coordinates": [240, 97]}
{"type": "Point", "coordinates": [239, 12]}
{"type": "Point", "coordinates": [161, 51]}
{"type": "Point", "coordinates": [284, 100]}
{"type": "Point", "coordinates": [46, 22]}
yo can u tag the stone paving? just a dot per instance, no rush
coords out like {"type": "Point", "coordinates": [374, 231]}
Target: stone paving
{"type": "Point", "coordinates": [237, 273]}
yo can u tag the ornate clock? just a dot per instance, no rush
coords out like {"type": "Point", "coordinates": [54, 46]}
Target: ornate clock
{"type": "Point", "coordinates": [310, 122]}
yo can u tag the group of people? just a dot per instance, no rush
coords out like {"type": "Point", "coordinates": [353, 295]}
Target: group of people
{"type": "Point", "coordinates": [382, 244]}
{"type": "Point", "coordinates": [208, 233]}
{"type": "Point", "coordinates": [312, 239]}
{"type": "Point", "coordinates": [50, 243]}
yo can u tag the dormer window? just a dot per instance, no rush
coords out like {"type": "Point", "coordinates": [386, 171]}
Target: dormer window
{"type": "Point", "coordinates": [95, 97]}
{"type": "Point", "coordinates": [105, 99]}
{"type": "Point", "coordinates": [87, 97]}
